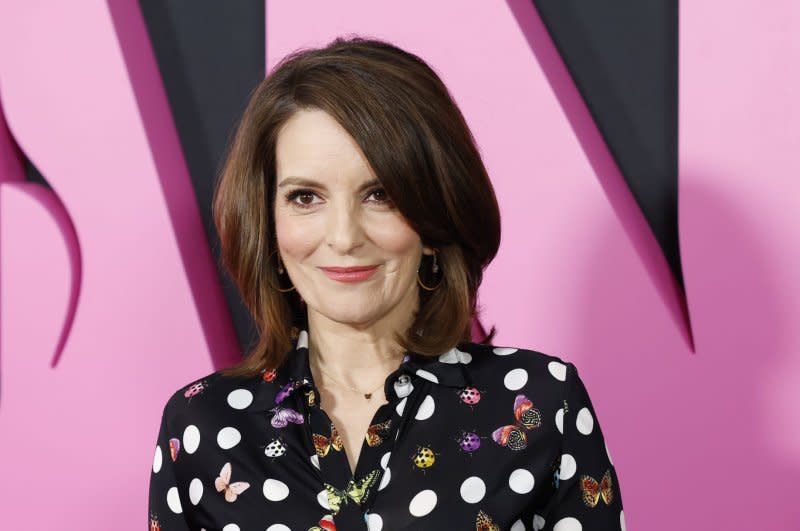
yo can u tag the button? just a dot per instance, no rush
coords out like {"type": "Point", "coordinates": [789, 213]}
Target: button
{"type": "Point", "coordinates": [403, 386]}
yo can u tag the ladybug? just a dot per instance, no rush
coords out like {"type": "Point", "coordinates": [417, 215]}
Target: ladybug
{"type": "Point", "coordinates": [468, 441]}
{"type": "Point", "coordinates": [269, 375]}
{"type": "Point", "coordinates": [424, 457]}
{"type": "Point", "coordinates": [195, 389]}
{"type": "Point", "coordinates": [275, 448]}
{"type": "Point", "coordinates": [154, 525]}
{"type": "Point", "coordinates": [470, 395]}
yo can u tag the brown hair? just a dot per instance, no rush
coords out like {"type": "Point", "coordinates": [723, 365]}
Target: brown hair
{"type": "Point", "coordinates": [418, 144]}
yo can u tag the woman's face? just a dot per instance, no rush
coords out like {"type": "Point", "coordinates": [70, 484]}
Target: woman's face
{"type": "Point", "coordinates": [330, 211]}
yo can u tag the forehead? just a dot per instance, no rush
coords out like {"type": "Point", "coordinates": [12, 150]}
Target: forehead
{"type": "Point", "coordinates": [313, 144]}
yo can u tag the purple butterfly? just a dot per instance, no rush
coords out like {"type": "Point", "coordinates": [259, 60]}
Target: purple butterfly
{"type": "Point", "coordinates": [282, 416]}
{"type": "Point", "coordinates": [285, 391]}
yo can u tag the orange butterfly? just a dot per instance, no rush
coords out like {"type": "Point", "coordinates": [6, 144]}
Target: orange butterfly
{"type": "Point", "coordinates": [592, 491]}
{"type": "Point", "coordinates": [323, 444]}
{"type": "Point", "coordinates": [484, 523]}
{"type": "Point", "coordinates": [513, 435]}
{"type": "Point", "coordinates": [377, 432]}
{"type": "Point", "coordinates": [223, 483]}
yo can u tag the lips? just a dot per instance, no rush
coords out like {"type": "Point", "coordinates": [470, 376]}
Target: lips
{"type": "Point", "coordinates": [349, 274]}
{"type": "Point", "coordinates": [355, 269]}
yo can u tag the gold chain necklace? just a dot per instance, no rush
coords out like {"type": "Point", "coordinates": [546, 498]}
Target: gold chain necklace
{"type": "Point", "coordinates": [366, 395]}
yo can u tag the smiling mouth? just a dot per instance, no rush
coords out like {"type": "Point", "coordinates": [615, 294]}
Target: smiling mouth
{"type": "Point", "coordinates": [349, 274]}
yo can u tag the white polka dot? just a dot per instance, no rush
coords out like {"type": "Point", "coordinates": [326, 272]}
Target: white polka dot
{"type": "Point", "coordinates": [195, 491]}
{"type": "Point", "coordinates": [538, 523]}
{"type": "Point", "coordinates": [426, 408]}
{"type": "Point", "coordinates": [191, 439]}
{"type": "Point", "coordinates": [322, 499]}
{"type": "Point", "coordinates": [228, 437]}
{"type": "Point", "coordinates": [504, 351]}
{"type": "Point", "coordinates": [568, 524]}
{"type": "Point", "coordinates": [518, 526]}
{"type": "Point", "coordinates": [275, 490]}
{"type": "Point", "coordinates": [302, 339]}
{"type": "Point", "coordinates": [455, 356]}
{"type": "Point", "coordinates": [608, 454]}
{"type": "Point", "coordinates": [568, 467]}
{"type": "Point", "coordinates": [315, 460]}
{"type": "Point", "coordinates": [240, 398]}
{"type": "Point", "coordinates": [385, 459]}
{"type": "Point", "coordinates": [422, 373]}
{"type": "Point", "coordinates": [386, 477]}
{"type": "Point", "coordinates": [585, 421]}
{"type": "Point", "coordinates": [515, 379]}
{"type": "Point", "coordinates": [422, 503]}
{"type": "Point", "coordinates": [278, 527]}
{"type": "Point", "coordinates": [174, 500]}
{"type": "Point", "coordinates": [473, 489]}
{"type": "Point", "coordinates": [558, 370]}
{"type": "Point", "coordinates": [231, 527]}
{"type": "Point", "coordinates": [374, 522]}
{"type": "Point", "coordinates": [621, 521]}
{"type": "Point", "coordinates": [400, 407]}
{"type": "Point", "coordinates": [560, 420]}
{"type": "Point", "coordinates": [521, 481]}
{"type": "Point", "coordinates": [158, 459]}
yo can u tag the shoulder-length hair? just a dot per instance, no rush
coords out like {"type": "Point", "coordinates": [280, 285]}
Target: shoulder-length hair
{"type": "Point", "coordinates": [417, 142]}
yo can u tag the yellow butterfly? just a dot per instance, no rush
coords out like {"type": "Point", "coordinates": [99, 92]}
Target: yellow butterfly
{"type": "Point", "coordinates": [355, 490]}
{"type": "Point", "coordinates": [592, 491]}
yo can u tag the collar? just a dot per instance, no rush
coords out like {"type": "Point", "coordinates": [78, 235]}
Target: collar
{"type": "Point", "coordinates": [294, 375]}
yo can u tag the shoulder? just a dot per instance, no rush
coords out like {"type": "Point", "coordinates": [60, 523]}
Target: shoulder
{"type": "Point", "coordinates": [517, 368]}
{"type": "Point", "coordinates": [209, 395]}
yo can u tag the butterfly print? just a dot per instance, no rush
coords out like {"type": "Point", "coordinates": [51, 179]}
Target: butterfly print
{"type": "Point", "coordinates": [325, 524]}
{"type": "Point", "coordinates": [355, 490]}
{"type": "Point", "coordinates": [223, 484]}
{"type": "Point", "coordinates": [483, 522]}
{"type": "Point", "coordinates": [282, 416]}
{"type": "Point", "coordinates": [323, 444]}
{"type": "Point", "coordinates": [528, 417]}
{"type": "Point", "coordinates": [377, 432]}
{"type": "Point", "coordinates": [174, 448]}
{"type": "Point", "coordinates": [592, 491]}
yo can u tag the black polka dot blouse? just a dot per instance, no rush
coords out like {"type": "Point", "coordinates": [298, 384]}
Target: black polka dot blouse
{"type": "Point", "coordinates": [481, 437]}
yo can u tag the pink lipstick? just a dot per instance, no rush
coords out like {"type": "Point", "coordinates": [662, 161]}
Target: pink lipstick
{"type": "Point", "coordinates": [349, 274]}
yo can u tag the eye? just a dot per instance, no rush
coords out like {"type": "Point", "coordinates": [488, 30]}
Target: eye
{"type": "Point", "coordinates": [291, 196]}
{"type": "Point", "coordinates": [381, 193]}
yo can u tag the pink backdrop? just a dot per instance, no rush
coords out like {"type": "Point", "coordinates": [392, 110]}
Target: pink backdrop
{"type": "Point", "coordinates": [100, 319]}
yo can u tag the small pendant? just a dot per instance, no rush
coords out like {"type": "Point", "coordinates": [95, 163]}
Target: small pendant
{"type": "Point", "coordinates": [367, 395]}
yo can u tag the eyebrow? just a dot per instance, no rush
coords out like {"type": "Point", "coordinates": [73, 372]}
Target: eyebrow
{"type": "Point", "coordinates": [304, 181]}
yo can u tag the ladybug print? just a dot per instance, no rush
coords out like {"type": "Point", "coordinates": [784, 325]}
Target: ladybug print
{"type": "Point", "coordinates": [468, 441]}
{"type": "Point", "coordinates": [453, 447]}
{"type": "Point", "coordinates": [275, 448]}
{"type": "Point", "coordinates": [470, 395]}
{"type": "Point", "coordinates": [424, 457]}
{"type": "Point", "coordinates": [195, 389]}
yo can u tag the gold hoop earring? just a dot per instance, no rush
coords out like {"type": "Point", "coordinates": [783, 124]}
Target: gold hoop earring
{"type": "Point", "coordinates": [280, 272]}
{"type": "Point", "coordinates": [435, 270]}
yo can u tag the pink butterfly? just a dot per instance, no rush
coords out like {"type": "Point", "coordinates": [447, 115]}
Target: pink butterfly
{"type": "Point", "coordinates": [282, 416]}
{"type": "Point", "coordinates": [223, 483]}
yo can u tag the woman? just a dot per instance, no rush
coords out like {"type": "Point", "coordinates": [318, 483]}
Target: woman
{"type": "Point", "coordinates": [356, 217]}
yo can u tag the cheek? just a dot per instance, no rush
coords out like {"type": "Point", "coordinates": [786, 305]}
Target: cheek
{"type": "Point", "coordinates": [395, 237]}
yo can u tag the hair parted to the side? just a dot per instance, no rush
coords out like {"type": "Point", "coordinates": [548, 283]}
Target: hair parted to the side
{"type": "Point", "coordinates": [416, 140]}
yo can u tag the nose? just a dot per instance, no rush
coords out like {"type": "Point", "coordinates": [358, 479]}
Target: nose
{"type": "Point", "coordinates": [344, 227]}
